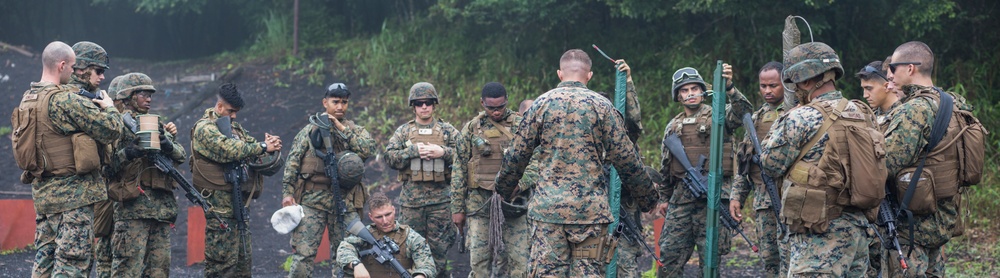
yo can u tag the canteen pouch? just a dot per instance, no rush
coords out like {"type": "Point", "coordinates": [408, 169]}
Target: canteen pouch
{"type": "Point", "coordinates": [85, 156]}
{"type": "Point", "coordinates": [923, 201]}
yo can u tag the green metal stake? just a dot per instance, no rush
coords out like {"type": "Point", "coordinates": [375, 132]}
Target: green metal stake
{"type": "Point", "coordinates": [616, 183]}
{"type": "Point", "coordinates": [715, 173]}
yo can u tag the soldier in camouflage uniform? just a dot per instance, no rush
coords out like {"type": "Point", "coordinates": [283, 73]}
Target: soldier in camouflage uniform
{"type": "Point", "coordinates": [305, 181]}
{"type": "Point", "coordinates": [141, 238]}
{"type": "Point", "coordinates": [572, 132]}
{"type": "Point", "coordinates": [415, 254]}
{"type": "Point", "coordinates": [63, 194]}
{"type": "Point", "coordinates": [684, 222]}
{"type": "Point", "coordinates": [422, 150]}
{"type": "Point", "coordinates": [88, 72]}
{"type": "Point", "coordinates": [841, 250]}
{"type": "Point", "coordinates": [875, 84]}
{"type": "Point", "coordinates": [772, 249]}
{"type": "Point", "coordinates": [908, 131]}
{"type": "Point", "coordinates": [225, 253]}
{"type": "Point", "coordinates": [478, 155]}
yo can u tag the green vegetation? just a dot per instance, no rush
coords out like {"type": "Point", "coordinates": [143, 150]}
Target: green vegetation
{"type": "Point", "coordinates": [4, 130]}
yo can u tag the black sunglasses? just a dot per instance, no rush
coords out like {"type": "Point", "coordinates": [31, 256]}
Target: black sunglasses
{"type": "Point", "coordinates": [420, 103]}
{"type": "Point", "coordinates": [99, 70]}
{"type": "Point", "coordinates": [892, 66]}
{"type": "Point", "coordinates": [871, 69]}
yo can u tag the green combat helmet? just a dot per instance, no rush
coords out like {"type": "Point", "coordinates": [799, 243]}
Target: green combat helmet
{"type": "Point", "coordinates": [517, 206]}
{"type": "Point", "coordinates": [130, 83]}
{"type": "Point", "coordinates": [809, 60]}
{"type": "Point", "coordinates": [350, 169]}
{"type": "Point", "coordinates": [90, 54]}
{"type": "Point", "coordinates": [115, 86]}
{"type": "Point", "coordinates": [422, 90]}
{"type": "Point", "coordinates": [684, 76]}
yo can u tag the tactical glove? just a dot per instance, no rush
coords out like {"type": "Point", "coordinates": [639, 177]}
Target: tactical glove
{"type": "Point", "coordinates": [166, 147]}
{"type": "Point", "coordinates": [133, 151]}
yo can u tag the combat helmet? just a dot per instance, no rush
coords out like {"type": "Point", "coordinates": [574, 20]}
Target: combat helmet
{"type": "Point", "coordinates": [350, 169]}
{"type": "Point", "coordinates": [130, 83]}
{"type": "Point", "coordinates": [684, 76]}
{"type": "Point", "coordinates": [115, 86]}
{"type": "Point", "coordinates": [517, 206]}
{"type": "Point", "coordinates": [809, 60]}
{"type": "Point", "coordinates": [90, 54]}
{"type": "Point", "coordinates": [422, 90]}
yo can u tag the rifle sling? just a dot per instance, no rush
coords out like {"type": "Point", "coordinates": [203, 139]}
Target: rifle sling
{"type": "Point", "coordinates": [938, 129]}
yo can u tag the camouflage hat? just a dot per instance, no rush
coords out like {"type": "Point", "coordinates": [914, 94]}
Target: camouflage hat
{"type": "Point", "coordinates": [90, 54]}
{"type": "Point", "coordinates": [350, 169]}
{"type": "Point", "coordinates": [654, 175]}
{"type": "Point", "coordinates": [422, 90]}
{"type": "Point", "coordinates": [130, 83]}
{"type": "Point", "coordinates": [809, 60]}
{"type": "Point", "coordinates": [516, 207]}
{"type": "Point", "coordinates": [686, 76]}
{"type": "Point", "coordinates": [115, 86]}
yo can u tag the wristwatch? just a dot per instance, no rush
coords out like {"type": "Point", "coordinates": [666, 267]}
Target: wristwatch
{"type": "Point", "coordinates": [263, 147]}
{"type": "Point", "coordinates": [355, 263]}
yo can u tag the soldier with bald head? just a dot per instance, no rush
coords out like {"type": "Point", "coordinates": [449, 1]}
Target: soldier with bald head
{"type": "Point", "coordinates": [63, 165]}
{"type": "Point", "coordinates": [422, 150]}
{"type": "Point", "coordinates": [573, 132]}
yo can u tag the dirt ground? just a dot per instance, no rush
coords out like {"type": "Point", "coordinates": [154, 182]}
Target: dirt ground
{"type": "Point", "coordinates": [279, 110]}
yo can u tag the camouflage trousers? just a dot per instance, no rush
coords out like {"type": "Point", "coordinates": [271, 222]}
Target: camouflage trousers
{"type": "Point", "coordinates": [840, 252]}
{"type": "Point", "coordinates": [553, 245]}
{"type": "Point", "coordinates": [141, 248]}
{"type": "Point", "coordinates": [876, 255]}
{"type": "Point", "coordinates": [683, 230]}
{"type": "Point", "coordinates": [225, 255]}
{"type": "Point", "coordinates": [477, 241]}
{"type": "Point", "coordinates": [923, 262]}
{"type": "Point", "coordinates": [307, 236]}
{"type": "Point", "coordinates": [64, 243]}
{"type": "Point", "coordinates": [628, 259]}
{"type": "Point", "coordinates": [102, 231]}
{"type": "Point", "coordinates": [516, 239]}
{"type": "Point", "coordinates": [434, 223]}
{"type": "Point", "coordinates": [773, 247]}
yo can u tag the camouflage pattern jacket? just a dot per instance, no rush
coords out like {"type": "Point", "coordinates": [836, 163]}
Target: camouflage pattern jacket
{"type": "Point", "coordinates": [209, 142]}
{"type": "Point", "coordinates": [356, 139]}
{"type": "Point", "coordinates": [742, 185]}
{"type": "Point", "coordinates": [400, 150]}
{"type": "Point", "coordinates": [882, 117]}
{"type": "Point", "coordinates": [155, 204]}
{"type": "Point", "coordinates": [72, 113]}
{"type": "Point", "coordinates": [416, 248]}
{"type": "Point", "coordinates": [673, 189]}
{"type": "Point", "coordinates": [908, 131]}
{"type": "Point", "coordinates": [791, 132]}
{"type": "Point", "coordinates": [464, 199]}
{"type": "Point", "coordinates": [572, 132]}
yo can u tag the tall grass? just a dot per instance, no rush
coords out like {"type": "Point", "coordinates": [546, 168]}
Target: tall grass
{"type": "Point", "coordinates": [275, 38]}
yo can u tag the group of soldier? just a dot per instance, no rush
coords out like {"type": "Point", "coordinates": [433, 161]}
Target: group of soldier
{"type": "Point", "coordinates": [526, 192]}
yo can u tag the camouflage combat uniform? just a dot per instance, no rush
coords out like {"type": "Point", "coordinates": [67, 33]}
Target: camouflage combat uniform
{"type": "Point", "coordinates": [772, 246]}
{"type": "Point", "coordinates": [224, 256]}
{"type": "Point", "coordinates": [318, 204]}
{"type": "Point", "coordinates": [90, 54]}
{"type": "Point", "coordinates": [470, 189]}
{"type": "Point", "coordinates": [425, 204]}
{"type": "Point", "coordinates": [684, 225]}
{"type": "Point", "coordinates": [876, 252]}
{"type": "Point", "coordinates": [908, 131]}
{"type": "Point", "coordinates": [413, 252]}
{"type": "Point", "coordinates": [571, 132]}
{"type": "Point", "coordinates": [64, 203]}
{"type": "Point", "coordinates": [842, 251]}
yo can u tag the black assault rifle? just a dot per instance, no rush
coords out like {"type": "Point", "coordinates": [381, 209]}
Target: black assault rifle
{"type": "Point", "coordinates": [887, 219]}
{"type": "Point", "coordinates": [236, 174]}
{"type": "Point", "coordinates": [382, 250]}
{"type": "Point", "coordinates": [695, 181]}
{"type": "Point", "coordinates": [330, 167]}
{"type": "Point", "coordinates": [628, 228]}
{"type": "Point", "coordinates": [769, 184]}
{"type": "Point", "coordinates": [165, 165]}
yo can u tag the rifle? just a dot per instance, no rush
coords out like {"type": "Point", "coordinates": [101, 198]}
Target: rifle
{"type": "Point", "coordinates": [695, 181]}
{"type": "Point", "coordinates": [236, 174]}
{"type": "Point", "coordinates": [461, 240]}
{"type": "Point", "coordinates": [628, 228]}
{"type": "Point", "coordinates": [330, 162]}
{"type": "Point", "coordinates": [165, 165]}
{"type": "Point", "coordinates": [887, 219]}
{"type": "Point", "coordinates": [769, 184]}
{"type": "Point", "coordinates": [382, 250]}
